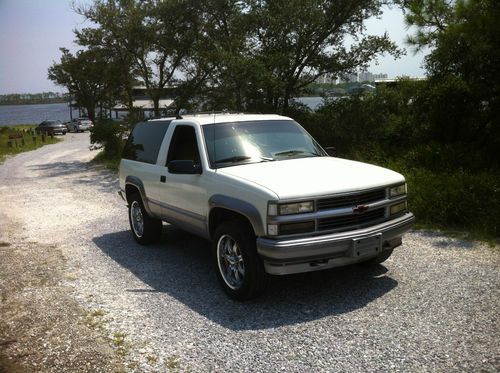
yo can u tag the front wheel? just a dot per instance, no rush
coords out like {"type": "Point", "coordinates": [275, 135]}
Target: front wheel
{"type": "Point", "coordinates": [145, 229]}
{"type": "Point", "coordinates": [239, 268]}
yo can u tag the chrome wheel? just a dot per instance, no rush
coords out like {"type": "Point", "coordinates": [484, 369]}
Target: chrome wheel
{"type": "Point", "coordinates": [137, 219]}
{"type": "Point", "coordinates": [230, 261]}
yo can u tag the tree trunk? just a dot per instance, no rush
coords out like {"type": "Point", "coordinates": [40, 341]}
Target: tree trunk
{"type": "Point", "coordinates": [286, 98]}
{"type": "Point", "coordinates": [156, 104]}
{"type": "Point", "coordinates": [91, 112]}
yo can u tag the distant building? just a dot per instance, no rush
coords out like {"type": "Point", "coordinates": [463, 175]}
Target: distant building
{"type": "Point", "coordinates": [394, 81]}
{"type": "Point", "coordinates": [363, 76]}
{"type": "Point", "coordinates": [327, 79]}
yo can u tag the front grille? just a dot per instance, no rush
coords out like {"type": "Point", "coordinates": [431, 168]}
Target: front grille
{"type": "Point", "coordinates": [350, 200]}
{"type": "Point", "coordinates": [351, 221]}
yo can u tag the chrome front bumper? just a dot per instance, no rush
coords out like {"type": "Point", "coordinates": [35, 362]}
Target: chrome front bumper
{"type": "Point", "coordinates": [333, 250]}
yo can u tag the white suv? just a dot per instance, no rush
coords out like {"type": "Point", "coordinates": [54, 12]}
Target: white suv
{"type": "Point", "coordinates": [266, 194]}
{"type": "Point", "coordinates": [80, 125]}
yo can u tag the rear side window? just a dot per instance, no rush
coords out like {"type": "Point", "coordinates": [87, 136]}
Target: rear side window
{"type": "Point", "coordinates": [144, 141]}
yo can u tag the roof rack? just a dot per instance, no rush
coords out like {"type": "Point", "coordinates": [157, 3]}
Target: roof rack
{"type": "Point", "coordinates": [219, 112]}
{"type": "Point", "coordinates": [195, 113]}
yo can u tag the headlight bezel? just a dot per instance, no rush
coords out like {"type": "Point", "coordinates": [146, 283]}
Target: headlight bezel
{"type": "Point", "coordinates": [398, 190]}
{"type": "Point", "coordinates": [291, 208]}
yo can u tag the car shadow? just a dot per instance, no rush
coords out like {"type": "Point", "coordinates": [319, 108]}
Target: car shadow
{"type": "Point", "coordinates": [180, 266]}
{"type": "Point", "coordinates": [82, 173]}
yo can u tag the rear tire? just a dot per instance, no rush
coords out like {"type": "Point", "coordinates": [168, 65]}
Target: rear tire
{"type": "Point", "coordinates": [238, 266]}
{"type": "Point", "coordinates": [145, 229]}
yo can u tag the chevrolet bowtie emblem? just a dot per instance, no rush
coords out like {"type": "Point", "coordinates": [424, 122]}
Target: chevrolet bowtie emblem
{"type": "Point", "coordinates": [359, 209]}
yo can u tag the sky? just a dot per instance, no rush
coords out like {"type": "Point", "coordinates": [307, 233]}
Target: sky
{"type": "Point", "coordinates": [32, 31]}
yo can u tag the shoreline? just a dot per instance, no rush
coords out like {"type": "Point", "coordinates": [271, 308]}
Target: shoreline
{"type": "Point", "coordinates": [33, 103]}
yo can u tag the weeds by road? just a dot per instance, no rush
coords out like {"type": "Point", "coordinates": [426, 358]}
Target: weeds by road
{"type": "Point", "coordinates": [19, 139]}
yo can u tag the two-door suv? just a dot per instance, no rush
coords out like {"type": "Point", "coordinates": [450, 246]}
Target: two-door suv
{"type": "Point", "coordinates": [267, 195]}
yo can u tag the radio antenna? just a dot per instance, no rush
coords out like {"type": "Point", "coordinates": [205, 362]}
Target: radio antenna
{"type": "Point", "coordinates": [213, 138]}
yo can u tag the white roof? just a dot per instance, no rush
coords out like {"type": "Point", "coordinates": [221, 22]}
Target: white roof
{"type": "Point", "coordinates": [145, 104]}
{"type": "Point", "coordinates": [208, 118]}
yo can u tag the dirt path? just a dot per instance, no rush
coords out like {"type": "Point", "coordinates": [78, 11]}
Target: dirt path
{"type": "Point", "coordinates": [42, 326]}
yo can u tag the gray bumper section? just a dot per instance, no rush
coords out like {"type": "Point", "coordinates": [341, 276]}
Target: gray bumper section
{"type": "Point", "coordinates": [332, 250]}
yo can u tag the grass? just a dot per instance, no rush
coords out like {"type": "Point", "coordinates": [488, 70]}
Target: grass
{"type": "Point", "coordinates": [121, 346]}
{"type": "Point", "coordinates": [173, 364]}
{"type": "Point", "coordinates": [22, 144]}
{"type": "Point", "coordinates": [459, 203]}
{"type": "Point", "coordinates": [94, 319]}
{"type": "Point", "coordinates": [111, 163]}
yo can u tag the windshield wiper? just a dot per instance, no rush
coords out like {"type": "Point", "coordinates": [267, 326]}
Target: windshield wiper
{"type": "Point", "coordinates": [239, 158]}
{"type": "Point", "coordinates": [294, 152]}
{"type": "Point", "coordinates": [236, 158]}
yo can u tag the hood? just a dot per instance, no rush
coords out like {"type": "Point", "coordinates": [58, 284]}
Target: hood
{"type": "Point", "coordinates": [314, 176]}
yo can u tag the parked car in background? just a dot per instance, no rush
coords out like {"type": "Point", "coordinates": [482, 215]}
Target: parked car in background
{"type": "Point", "coordinates": [80, 125]}
{"type": "Point", "coordinates": [52, 127]}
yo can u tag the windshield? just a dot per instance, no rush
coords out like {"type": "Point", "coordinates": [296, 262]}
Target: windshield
{"type": "Point", "coordinates": [258, 141]}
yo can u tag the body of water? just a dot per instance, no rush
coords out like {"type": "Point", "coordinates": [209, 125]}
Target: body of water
{"type": "Point", "coordinates": [34, 114]}
{"type": "Point", "coordinates": [29, 114]}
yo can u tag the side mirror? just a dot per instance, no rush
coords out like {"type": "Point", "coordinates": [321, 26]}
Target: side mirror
{"type": "Point", "coordinates": [186, 167]}
{"type": "Point", "coordinates": [331, 151]}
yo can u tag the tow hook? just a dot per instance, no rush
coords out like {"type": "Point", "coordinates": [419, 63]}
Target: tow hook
{"type": "Point", "coordinates": [319, 263]}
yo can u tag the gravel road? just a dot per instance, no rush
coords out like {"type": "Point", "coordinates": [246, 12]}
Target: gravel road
{"type": "Point", "coordinates": [434, 306]}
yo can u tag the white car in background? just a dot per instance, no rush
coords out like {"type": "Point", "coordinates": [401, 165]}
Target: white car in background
{"type": "Point", "coordinates": [80, 125]}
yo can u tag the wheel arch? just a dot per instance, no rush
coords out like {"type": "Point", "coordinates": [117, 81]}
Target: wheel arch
{"type": "Point", "coordinates": [134, 185]}
{"type": "Point", "coordinates": [223, 208]}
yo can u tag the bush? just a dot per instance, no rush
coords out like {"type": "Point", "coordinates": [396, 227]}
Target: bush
{"type": "Point", "coordinates": [108, 134]}
{"type": "Point", "coordinates": [421, 130]}
{"type": "Point", "coordinates": [455, 200]}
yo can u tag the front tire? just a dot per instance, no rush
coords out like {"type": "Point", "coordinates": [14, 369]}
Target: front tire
{"type": "Point", "coordinates": [239, 268]}
{"type": "Point", "coordinates": [145, 229]}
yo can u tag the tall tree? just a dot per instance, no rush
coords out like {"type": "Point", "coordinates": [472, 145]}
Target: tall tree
{"type": "Point", "coordinates": [297, 41]}
{"type": "Point", "coordinates": [157, 37]}
{"type": "Point", "coordinates": [464, 72]}
{"type": "Point", "coordinates": [86, 75]}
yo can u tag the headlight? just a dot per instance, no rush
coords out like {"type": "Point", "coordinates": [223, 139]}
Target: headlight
{"type": "Point", "coordinates": [397, 190]}
{"type": "Point", "coordinates": [274, 209]}
{"type": "Point", "coordinates": [296, 208]}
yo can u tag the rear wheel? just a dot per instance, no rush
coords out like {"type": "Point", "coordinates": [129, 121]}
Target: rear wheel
{"type": "Point", "coordinates": [145, 229]}
{"type": "Point", "coordinates": [239, 268]}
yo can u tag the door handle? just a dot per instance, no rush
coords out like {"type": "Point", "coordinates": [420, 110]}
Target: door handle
{"type": "Point", "coordinates": [163, 178]}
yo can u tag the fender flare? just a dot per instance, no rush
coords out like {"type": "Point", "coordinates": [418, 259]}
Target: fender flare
{"type": "Point", "coordinates": [137, 183]}
{"type": "Point", "coordinates": [241, 207]}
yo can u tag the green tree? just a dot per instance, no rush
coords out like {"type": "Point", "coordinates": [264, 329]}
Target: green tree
{"type": "Point", "coordinates": [462, 102]}
{"type": "Point", "coordinates": [236, 77]}
{"type": "Point", "coordinates": [297, 41]}
{"type": "Point", "coordinates": [158, 39]}
{"type": "Point", "coordinates": [86, 76]}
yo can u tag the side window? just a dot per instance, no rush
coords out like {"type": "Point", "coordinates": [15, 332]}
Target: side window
{"type": "Point", "coordinates": [183, 146]}
{"type": "Point", "coordinates": [144, 142]}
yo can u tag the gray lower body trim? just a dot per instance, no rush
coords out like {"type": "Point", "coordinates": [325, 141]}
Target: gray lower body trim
{"type": "Point", "coordinates": [184, 219]}
{"type": "Point", "coordinates": [332, 250]}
